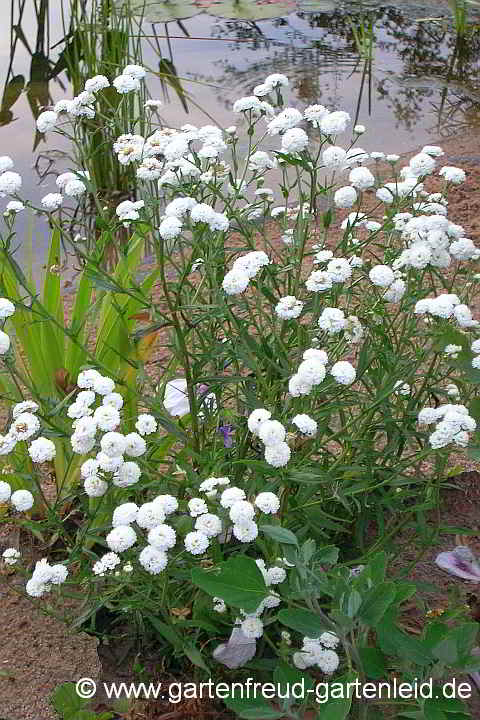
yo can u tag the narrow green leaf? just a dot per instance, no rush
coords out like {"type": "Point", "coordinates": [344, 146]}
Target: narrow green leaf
{"type": "Point", "coordinates": [75, 355]}
{"type": "Point", "coordinates": [53, 337]}
{"type": "Point", "coordinates": [165, 631]}
{"type": "Point", "coordinates": [195, 657]}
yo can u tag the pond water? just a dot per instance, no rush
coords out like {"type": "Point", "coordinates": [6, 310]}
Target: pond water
{"type": "Point", "coordinates": [415, 82]}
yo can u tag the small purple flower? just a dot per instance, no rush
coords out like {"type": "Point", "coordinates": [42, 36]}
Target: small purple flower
{"type": "Point", "coordinates": [227, 432]}
{"type": "Point", "coordinates": [460, 562]}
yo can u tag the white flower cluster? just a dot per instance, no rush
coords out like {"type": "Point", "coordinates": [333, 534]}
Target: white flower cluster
{"type": "Point", "coordinates": [271, 83]}
{"type": "Point", "coordinates": [175, 213]}
{"type": "Point", "coordinates": [476, 352]}
{"type": "Point", "coordinates": [25, 424]}
{"type": "Point", "coordinates": [10, 183]}
{"type": "Point", "coordinates": [329, 123]}
{"type": "Point", "coordinates": [73, 184]}
{"type": "Point", "coordinates": [272, 434]}
{"type": "Point", "coordinates": [128, 210]}
{"type": "Point", "coordinates": [161, 537]}
{"type": "Point", "coordinates": [6, 163]}
{"type": "Point", "coordinates": [150, 517]}
{"type": "Point", "coordinates": [242, 513]}
{"type": "Point", "coordinates": [244, 269]}
{"type": "Point", "coordinates": [430, 237]}
{"type": "Point", "coordinates": [113, 445]}
{"type": "Point", "coordinates": [289, 307]}
{"type": "Point", "coordinates": [11, 556]}
{"type": "Point", "coordinates": [433, 240]}
{"type": "Point", "coordinates": [21, 500]}
{"type": "Point", "coordinates": [211, 485]}
{"type": "Point", "coordinates": [319, 652]}
{"type": "Point", "coordinates": [336, 158]}
{"type": "Point", "coordinates": [108, 561]}
{"type": "Point", "coordinates": [44, 577]}
{"type": "Point", "coordinates": [313, 369]}
{"type": "Point", "coordinates": [453, 175]}
{"type": "Point", "coordinates": [171, 156]}
{"type": "Point", "coordinates": [445, 306]}
{"type": "Point", "coordinates": [452, 350]}
{"type": "Point", "coordinates": [129, 80]}
{"type": "Point", "coordinates": [452, 424]}
{"type": "Point", "coordinates": [13, 207]}
{"type": "Point", "coordinates": [251, 106]}
{"type": "Point", "coordinates": [383, 276]}
{"type": "Point", "coordinates": [310, 373]}
{"type": "Point", "coordinates": [83, 105]}
{"type": "Point", "coordinates": [7, 309]}
{"type": "Point", "coordinates": [307, 425]}
{"type": "Point", "coordinates": [284, 121]}
{"type": "Point", "coordinates": [294, 140]}
{"type": "Point", "coordinates": [338, 270]}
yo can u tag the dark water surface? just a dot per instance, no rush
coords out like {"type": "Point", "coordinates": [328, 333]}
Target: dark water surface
{"type": "Point", "coordinates": [419, 83]}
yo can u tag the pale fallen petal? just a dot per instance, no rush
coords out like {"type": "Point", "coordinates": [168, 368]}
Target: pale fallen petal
{"type": "Point", "coordinates": [238, 651]}
{"type": "Point", "coordinates": [460, 562]}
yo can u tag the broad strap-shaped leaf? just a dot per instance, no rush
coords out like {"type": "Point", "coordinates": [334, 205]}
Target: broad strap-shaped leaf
{"type": "Point", "coordinates": [75, 355]}
{"type": "Point", "coordinates": [27, 327]}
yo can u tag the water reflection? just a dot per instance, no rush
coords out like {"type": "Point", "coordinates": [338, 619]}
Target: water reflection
{"type": "Point", "coordinates": [417, 69]}
{"type": "Point", "coordinates": [387, 66]}
{"type": "Point", "coordinates": [34, 41]}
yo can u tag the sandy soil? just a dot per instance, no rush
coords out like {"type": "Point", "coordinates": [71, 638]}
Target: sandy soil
{"type": "Point", "coordinates": [38, 652]}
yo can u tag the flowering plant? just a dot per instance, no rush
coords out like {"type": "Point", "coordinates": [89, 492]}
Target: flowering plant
{"type": "Point", "coordinates": [312, 334]}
